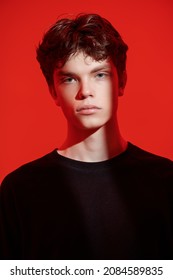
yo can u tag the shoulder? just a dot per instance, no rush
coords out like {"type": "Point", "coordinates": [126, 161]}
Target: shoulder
{"type": "Point", "coordinates": [150, 161]}
{"type": "Point", "coordinates": [141, 154]}
{"type": "Point", "coordinates": [30, 171]}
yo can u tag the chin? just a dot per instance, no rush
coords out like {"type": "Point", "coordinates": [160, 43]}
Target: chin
{"type": "Point", "coordinates": [91, 126]}
{"type": "Point", "coordinates": [91, 123]}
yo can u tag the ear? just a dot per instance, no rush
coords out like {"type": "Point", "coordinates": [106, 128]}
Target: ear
{"type": "Point", "coordinates": [122, 83]}
{"type": "Point", "coordinates": [54, 94]}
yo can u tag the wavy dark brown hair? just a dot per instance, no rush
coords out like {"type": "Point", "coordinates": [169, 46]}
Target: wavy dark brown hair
{"type": "Point", "coordinates": [90, 33]}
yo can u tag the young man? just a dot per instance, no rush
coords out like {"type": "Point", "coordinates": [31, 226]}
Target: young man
{"type": "Point", "coordinates": [97, 196]}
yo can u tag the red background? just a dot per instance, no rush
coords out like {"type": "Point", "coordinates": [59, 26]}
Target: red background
{"type": "Point", "coordinates": [31, 125]}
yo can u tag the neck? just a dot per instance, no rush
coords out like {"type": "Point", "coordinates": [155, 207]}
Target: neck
{"type": "Point", "coordinates": [97, 145]}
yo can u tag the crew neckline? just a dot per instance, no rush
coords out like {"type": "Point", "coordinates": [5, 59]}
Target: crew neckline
{"type": "Point", "coordinates": [80, 164]}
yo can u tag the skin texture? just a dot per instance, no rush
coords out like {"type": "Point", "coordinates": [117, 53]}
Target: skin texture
{"type": "Point", "coordinates": [87, 92]}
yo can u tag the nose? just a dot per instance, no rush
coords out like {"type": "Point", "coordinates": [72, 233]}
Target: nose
{"type": "Point", "coordinates": [84, 90]}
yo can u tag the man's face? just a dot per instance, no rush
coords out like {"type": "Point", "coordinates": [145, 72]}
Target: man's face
{"type": "Point", "coordinates": [87, 91]}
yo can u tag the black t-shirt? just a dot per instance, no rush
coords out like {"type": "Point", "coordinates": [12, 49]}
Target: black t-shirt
{"type": "Point", "coordinates": [59, 208]}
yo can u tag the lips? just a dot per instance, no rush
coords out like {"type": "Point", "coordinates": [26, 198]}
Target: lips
{"type": "Point", "coordinates": [87, 109]}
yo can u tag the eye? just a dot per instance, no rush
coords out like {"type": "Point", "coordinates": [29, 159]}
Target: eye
{"type": "Point", "coordinates": [101, 75]}
{"type": "Point", "coordinates": [68, 80]}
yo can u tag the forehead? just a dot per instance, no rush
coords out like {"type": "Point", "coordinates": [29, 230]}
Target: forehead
{"type": "Point", "coordinates": [79, 63]}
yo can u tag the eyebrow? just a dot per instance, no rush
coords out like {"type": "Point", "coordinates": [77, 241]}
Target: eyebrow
{"type": "Point", "coordinates": [101, 68]}
{"type": "Point", "coordinates": [65, 73]}
{"type": "Point", "coordinates": [96, 69]}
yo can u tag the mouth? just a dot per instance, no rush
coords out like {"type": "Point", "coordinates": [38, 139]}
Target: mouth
{"type": "Point", "coordinates": [87, 109]}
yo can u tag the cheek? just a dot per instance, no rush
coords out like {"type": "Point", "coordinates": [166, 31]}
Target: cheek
{"type": "Point", "coordinates": [67, 93]}
{"type": "Point", "coordinates": [111, 99]}
{"type": "Point", "coordinates": [66, 102]}
{"type": "Point", "coordinates": [110, 94]}
{"type": "Point", "coordinates": [64, 97]}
